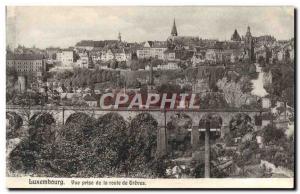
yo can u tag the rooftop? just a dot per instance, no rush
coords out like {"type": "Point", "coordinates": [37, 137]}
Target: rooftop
{"type": "Point", "coordinates": [25, 57]}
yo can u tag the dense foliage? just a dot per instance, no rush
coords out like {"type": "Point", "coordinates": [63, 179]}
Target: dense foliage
{"type": "Point", "coordinates": [87, 147]}
{"type": "Point", "coordinates": [282, 86]}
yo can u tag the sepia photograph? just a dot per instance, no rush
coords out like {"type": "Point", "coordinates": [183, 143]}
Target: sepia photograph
{"type": "Point", "coordinates": [144, 97]}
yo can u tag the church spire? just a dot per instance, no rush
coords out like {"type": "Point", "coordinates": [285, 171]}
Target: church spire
{"type": "Point", "coordinates": [119, 37]}
{"type": "Point", "coordinates": [174, 29]}
{"type": "Point", "coordinates": [248, 31]}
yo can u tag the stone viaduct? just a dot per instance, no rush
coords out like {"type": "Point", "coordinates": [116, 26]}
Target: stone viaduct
{"type": "Point", "coordinates": [61, 114]}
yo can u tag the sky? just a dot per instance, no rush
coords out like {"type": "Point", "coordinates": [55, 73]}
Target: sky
{"type": "Point", "coordinates": [64, 26]}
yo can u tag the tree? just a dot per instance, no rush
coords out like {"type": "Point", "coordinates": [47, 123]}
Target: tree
{"type": "Point", "coordinates": [289, 149]}
{"type": "Point", "coordinates": [182, 65]}
{"type": "Point", "coordinates": [40, 129]}
{"type": "Point", "coordinates": [191, 74]}
{"type": "Point", "coordinates": [169, 88]}
{"type": "Point", "coordinates": [240, 125]}
{"type": "Point", "coordinates": [113, 64]}
{"type": "Point", "coordinates": [11, 71]}
{"type": "Point", "coordinates": [142, 144]}
{"type": "Point", "coordinates": [79, 127]}
{"type": "Point", "coordinates": [272, 134]}
{"type": "Point", "coordinates": [35, 151]}
{"type": "Point", "coordinates": [109, 143]}
{"type": "Point", "coordinates": [248, 150]}
{"type": "Point", "coordinates": [246, 84]}
{"type": "Point", "coordinates": [199, 171]}
{"type": "Point", "coordinates": [138, 64]}
{"type": "Point", "coordinates": [213, 100]}
{"type": "Point", "coordinates": [122, 65]}
{"type": "Point", "coordinates": [178, 135]}
{"type": "Point", "coordinates": [233, 92]}
{"type": "Point", "coordinates": [15, 123]}
{"type": "Point", "coordinates": [282, 86]}
{"type": "Point", "coordinates": [72, 149]}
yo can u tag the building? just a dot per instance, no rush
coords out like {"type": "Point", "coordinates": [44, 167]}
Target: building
{"type": "Point", "coordinates": [21, 84]}
{"type": "Point", "coordinates": [157, 50]}
{"type": "Point", "coordinates": [286, 52]}
{"type": "Point", "coordinates": [199, 56]}
{"type": "Point", "coordinates": [24, 50]}
{"type": "Point", "coordinates": [113, 54]}
{"type": "Point", "coordinates": [262, 53]}
{"type": "Point", "coordinates": [174, 29]}
{"type": "Point", "coordinates": [83, 61]}
{"type": "Point", "coordinates": [90, 100]}
{"type": "Point", "coordinates": [119, 37]}
{"type": "Point", "coordinates": [169, 55]}
{"type": "Point", "coordinates": [119, 55]}
{"type": "Point", "coordinates": [10, 60]}
{"type": "Point", "coordinates": [85, 45]}
{"type": "Point", "coordinates": [168, 66]}
{"type": "Point", "coordinates": [266, 103]}
{"type": "Point", "coordinates": [238, 55]}
{"type": "Point", "coordinates": [178, 42]}
{"type": "Point", "coordinates": [201, 85]}
{"type": "Point", "coordinates": [27, 63]}
{"type": "Point", "coordinates": [128, 53]}
{"type": "Point", "coordinates": [51, 52]}
{"type": "Point", "coordinates": [235, 36]}
{"type": "Point", "coordinates": [265, 40]}
{"type": "Point", "coordinates": [95, 55]}
{"type": "Point", "coordinates": [183, 54]}
{"type": "Point", "coordinates": [65, 57]}
{"type": "Point", "coordinates": [213, 55]}
{"type": "Point", "coordinates": [249, 44]}
{"type": "Point", "coordinates": [153, 49]}
{"type": "Point", "coordinates": [107, 55]}
{"type": "Point", "coordinates": [91, 44]}
{"type": "Point", "coordinates": [144, 52]}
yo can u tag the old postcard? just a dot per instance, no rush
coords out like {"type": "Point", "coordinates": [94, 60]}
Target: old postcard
{"type": "Point", "coordinates": [150, 97]}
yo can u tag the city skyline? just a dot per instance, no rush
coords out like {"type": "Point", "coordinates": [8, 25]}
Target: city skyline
{"type": "Point", "coordinates": [68, 25]}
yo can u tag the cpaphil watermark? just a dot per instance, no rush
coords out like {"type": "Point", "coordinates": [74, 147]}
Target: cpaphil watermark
{"type": "Point", "coordinates": [150, 100]}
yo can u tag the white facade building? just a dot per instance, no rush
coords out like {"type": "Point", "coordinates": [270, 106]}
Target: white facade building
{"type": "Point", "coordinates": [116, 54]}
{"type": "Point", "coordinates": [168, 66]}
{"type": "Point", "coordinates": [152, 49]}
{"type": "Point", "coordinates": [66, 57]}
{"type": "Point", "coordinates": [83, 61]}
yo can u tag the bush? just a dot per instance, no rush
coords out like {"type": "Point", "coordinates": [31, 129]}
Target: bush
{"type": "Point", "coordinates": [272, 134]}
{"type": "Point", "coordinates": [142, 143]}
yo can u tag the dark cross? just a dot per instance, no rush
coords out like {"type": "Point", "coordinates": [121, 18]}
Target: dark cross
{"type": "Point", "coordinates": [207, 148]}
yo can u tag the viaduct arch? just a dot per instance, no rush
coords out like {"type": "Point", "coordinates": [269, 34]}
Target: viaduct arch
{"type": "Point", "coordinates": [61, 115]}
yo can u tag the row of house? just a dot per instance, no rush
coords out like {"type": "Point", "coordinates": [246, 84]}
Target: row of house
{"type": "Point", "coordinates": [188, 48]}
{"type": "Point", "coordinates": [275, 52]}
{"type": "Point", "coordinates": [119, 54]}
{"type": "Point", "coordinates": [174, 50]}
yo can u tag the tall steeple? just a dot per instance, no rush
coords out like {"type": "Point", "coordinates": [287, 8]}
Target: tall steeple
{"type": "Point", "coordinates": [249, 41]}
{"type": "Point", "coordinates": [174, 29]}
{"type": "Point", "coordinates": [119, 37]}
{"type": "Point", "coordinates": [248, 31]}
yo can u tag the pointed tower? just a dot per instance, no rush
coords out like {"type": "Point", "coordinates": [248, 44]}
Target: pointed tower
{"type": "Point", "coordinates": [235, 36]}
{"type": "Point", "coordinates": [248, 35]}
{"type": "Point", "coordinates": [174, 29]}
{"type": "Point", "coordinates": [119, 37]}
{"type": "Point", "coordinates": [249, 41]}
{"type": "Point", "coordinates": [248, 31]}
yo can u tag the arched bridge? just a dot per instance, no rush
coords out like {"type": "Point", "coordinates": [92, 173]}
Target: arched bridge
{"type": "Point", "coordinates": [61, 114]}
